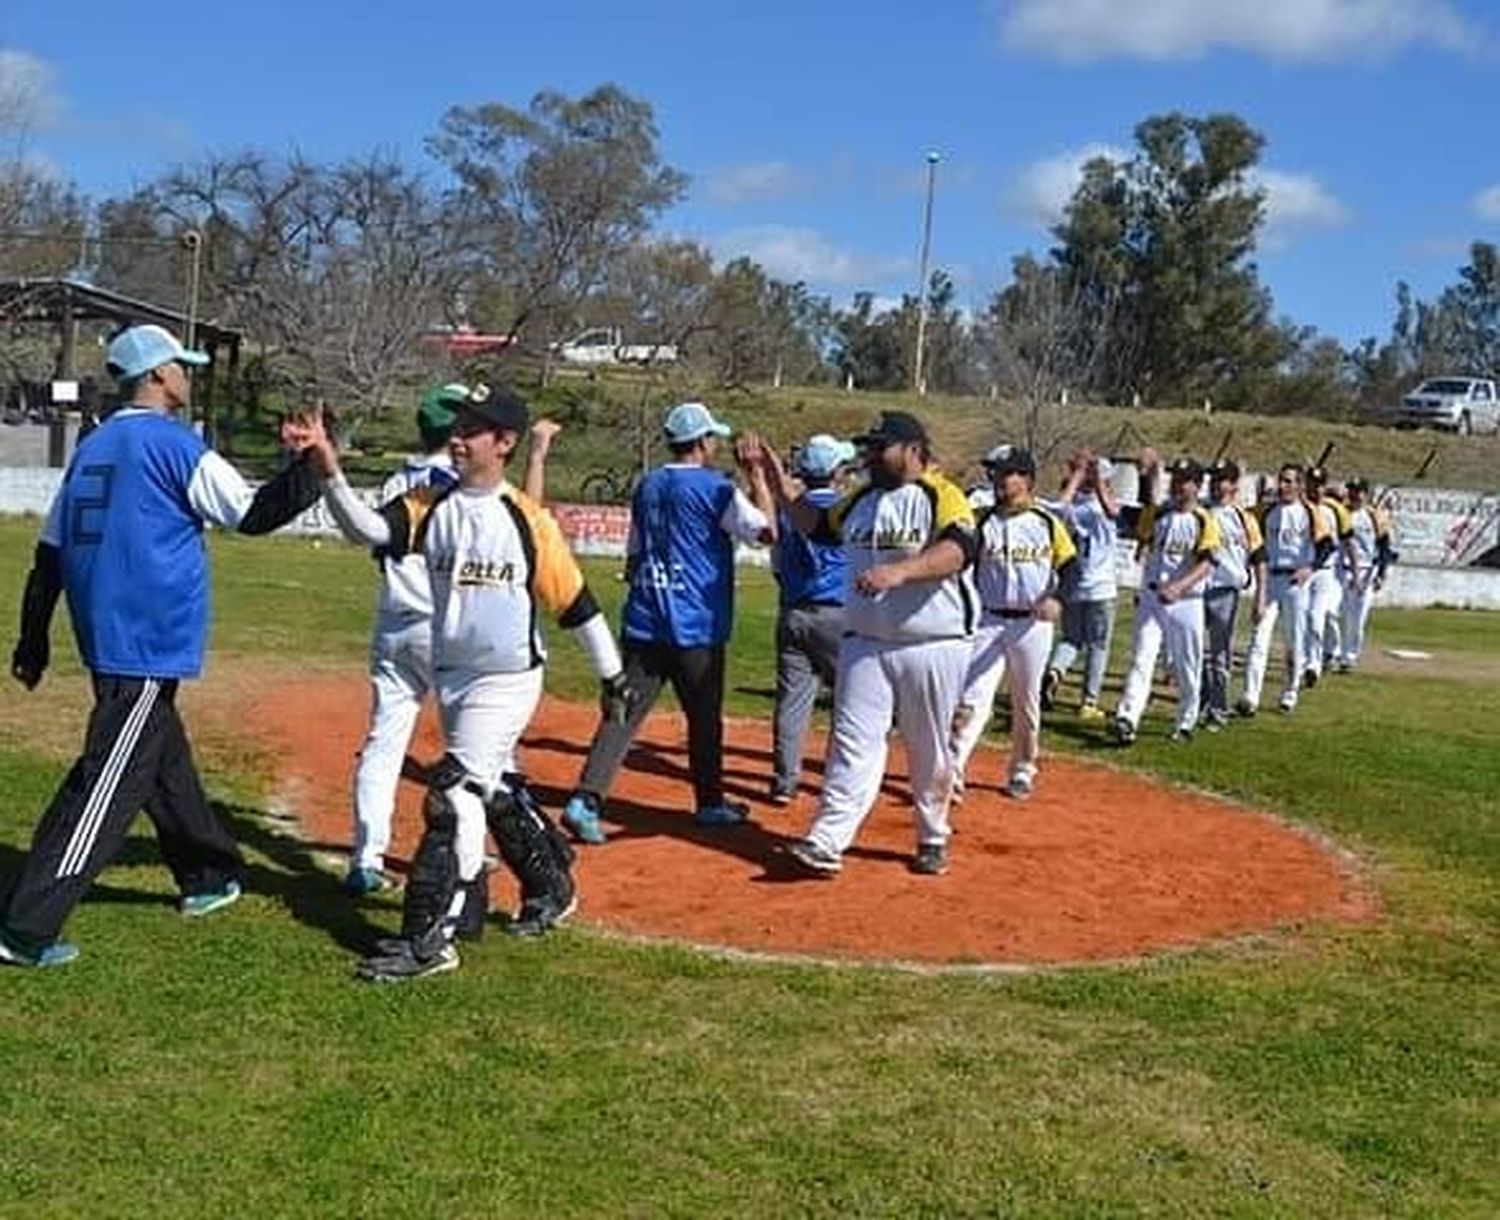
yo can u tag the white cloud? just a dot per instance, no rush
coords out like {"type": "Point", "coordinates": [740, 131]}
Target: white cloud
{"type": "Point", "coordinates": [789, 253]}
{"type": "Point", "coordinates": [1084, 30]}
{"type": "Point", "coordinates": [1042, 190]}
{"type": "Point", "coordinates": [756, 182]}
{"type": "Point", "coordinates": [1486, 204]}
{"type": "Point", "coordinates": [1295, 203]}
{"type": "Point", "coordinates": [29, 97]}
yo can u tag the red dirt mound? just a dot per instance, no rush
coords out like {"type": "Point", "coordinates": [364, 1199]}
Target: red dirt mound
{"type": "Point", "coordinates": [1098, 865]}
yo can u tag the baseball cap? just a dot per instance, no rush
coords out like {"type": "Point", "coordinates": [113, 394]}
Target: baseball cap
{"type": "Point", "coordinates": [1185, 470]}
{"type": "Point", "coordinates": [1224, 468]}
{"type": "Point", "coordinates": [689, 421]}
{"type": "Point", "coordinates": [823, 454]}
{"type": "Point", "coordinates": [894, 428]}
{"type": "Point", "coordinates": [1009, 459]}
{"type": "Point", "coordinates": [436, 410]}
{"type": "Point", "coordinates": [1357, 483]}
{"type": "Point", "coordinates": [137, 350]}
{"type": "Point", "coordinates": [1315, 476]}
{"type": "Point", "coordinates": [502, 409]}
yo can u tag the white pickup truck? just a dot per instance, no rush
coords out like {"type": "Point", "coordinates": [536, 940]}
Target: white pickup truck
{"type": "Point", "coordinates": [1456, 404]}
{"type": "Point", "coordinates": [606, 345]}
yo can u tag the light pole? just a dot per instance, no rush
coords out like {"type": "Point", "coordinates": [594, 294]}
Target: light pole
{"type": "Point", "coordinates": [918, 379]}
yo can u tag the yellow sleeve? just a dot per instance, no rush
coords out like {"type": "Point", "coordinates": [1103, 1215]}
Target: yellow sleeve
{"type": "Point", "coordinates": [952, 506]}
{"type": "Point", "coordinates": [1145, 524]}
{"type": "Point", "coordinates": [557, 581]}
{"type": "Point", "coordinates": [1382, 522]}
{"type": "Point", "coordinates": [415, 504]}
{"type": "Point", "coordinates": [1342, 519]}
{"type": "Point", "coordinates": [1254, 539]}
{"type": "Point", "coordinates": [1063, 548]}
{"type": "Point", "coordinates": [1209, 539]}
{"type": "Point", "coordinates": [1315, 518]}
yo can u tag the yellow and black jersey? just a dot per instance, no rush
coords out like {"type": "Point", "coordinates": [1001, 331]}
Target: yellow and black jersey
{"type": "Point", "coordinates": [1336, 525]}
{"type": "Point", "coordinates": [1370, 530]}
{"type": "Point", "coordinates": [493, 557]}
{"type": "Point", "coordinates": [1175, 541]}
{"type": "Point", "coordinates": [880, 525]}
{"type": "Point", "coordinates": [1295, 536]}
{"type": "Point", "coordinates": [1021, 551]}
{"type": "Point", "coordinates": [1240, 547]}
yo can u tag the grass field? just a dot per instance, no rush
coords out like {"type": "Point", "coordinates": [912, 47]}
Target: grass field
{"type": "Point", "coordinates": [233, 1067]}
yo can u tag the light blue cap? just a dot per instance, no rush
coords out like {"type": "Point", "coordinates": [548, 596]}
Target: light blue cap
{"type": "Point", "coordinates": [688, 421]}
{"type": "Point", "coordinates": [136, 351]}
{"type": "Point", "coordinates": [824, 454]}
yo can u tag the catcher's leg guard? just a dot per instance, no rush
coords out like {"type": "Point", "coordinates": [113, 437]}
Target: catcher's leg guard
{"type": "Point", "coordinates": [435, 896]}
{"type": "Point", "coordinates": [537, 853]}
{"type": "Point", "coordinates": [476, 907]}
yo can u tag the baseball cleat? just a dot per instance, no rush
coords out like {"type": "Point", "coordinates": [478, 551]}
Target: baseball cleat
{"type": "Point", "coordinates": [54, 953]}
{"type": "Point", "coordinates": [1018, 789]}
{"type": "Point", "coordinates": [1051, 680]}
{"type": "Point", "coordinates": [931, 860]}
{"type": "Point", "coordinates": [539, 916]}
{"type": "Point", "coordinates": [1091, 713]}
{"type": "Point", "coordinates": [364, 881]}
{"type": "Point", "coordinates": [725, 813]}
{"type": "Point", "coordinates": [1180, 736]}
{"type": "Point", "coordinates": [581, 817]}
{"type": "Point", "coordinates": [815, 858]}
{"type": "Point", "coordinates": [197, 905]}
{"type": "Point", "coordinates": [1288, 703]}
{"type": "Point", "coordinates": [1245, 708]}
{"type": "Point", "coordinates": [1124, 731]}
{"type": "Point", "coordinates": [1309, 679]}
{"type": "Point", "coordinates": [405, 963]}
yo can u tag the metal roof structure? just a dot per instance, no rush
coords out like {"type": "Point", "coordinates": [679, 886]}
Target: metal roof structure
{"type": "Point", "coordinates": [61, 300]}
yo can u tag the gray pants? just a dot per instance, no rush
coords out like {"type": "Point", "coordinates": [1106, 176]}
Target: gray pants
{"type": "Point", "coordinates": [807, 657]}
{"type": "Point", "coordinates": [1219, 609]}
{"type": "Point", "coordinates": [1086, 627]}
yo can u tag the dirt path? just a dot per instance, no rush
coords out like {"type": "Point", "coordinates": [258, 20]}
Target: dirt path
{"type": "Point", "coordinates": [1098, 865]}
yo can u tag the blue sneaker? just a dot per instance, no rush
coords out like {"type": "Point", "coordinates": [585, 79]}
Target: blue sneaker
{"type": "Point", "coordinates": [55, 953]}
{"type": "Point", "coordinates": [725, 813]}
{"type": "Point", "coordinates": [196, 905]}
{"type": "Point", "coordinates": [363, 881]}
{"type": "Point", "coordinates": [581, 816]}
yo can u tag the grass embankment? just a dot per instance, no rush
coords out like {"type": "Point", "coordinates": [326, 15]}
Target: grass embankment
{"type": "Point", "coordinates": [233, 1066]}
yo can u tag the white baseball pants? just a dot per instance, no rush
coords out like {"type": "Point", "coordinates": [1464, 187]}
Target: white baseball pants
{"type": "Point", "coordinates": [1287, 602]}
{"type": "Point", "coordinates": [1020, 648]}
{"type": "Point", "coordinates": [400, 675]}
{"type": "Point", "coordinates": [1359, 597]}
{"type": "Point", "coordinates": [1180, 625]}
{"type": "Point", "coordinates": [483, 718]}
{"type": "Point", "coordinates": [1323, 599]}
{"type": "Point", "coordinates": [928, 677]}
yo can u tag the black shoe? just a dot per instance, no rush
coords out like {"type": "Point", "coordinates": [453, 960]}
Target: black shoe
{"type": "Point", "coordinates": [538, 916]}
{"type": "Point", "coordinates": [931, 860]}
{"type": "Point", "coordinates": [1051, 680]}
{"type": "Point", "coordinates": [406, 963]}
{"type": "Point", "coordinates": [1245, 708]}
{"type": "Point", "coordinates": [1124, 731]}
{"type": "Point", "coordinates": [1309, 679]}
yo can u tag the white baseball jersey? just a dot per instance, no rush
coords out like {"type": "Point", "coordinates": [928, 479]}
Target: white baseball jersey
{"type": "Point", "coordinates": [1334, 519]}
{"type": "Point", "coordinates": [1176, 541]}
{"type": "Point", "coordinates": [1096, 533]}
{"type": "Point", "coordinates": [1020, 553]}
{"type": "Point", "coordinates": [1292, 533]}
{"type": "Point", "coordinates": [1240, 547]}
{"type": "Point", "coordinates": [883, 525]}
{"type": "Point", "coordinates": [405, 592]}
{"type": "Point", "coordinates": [492, 556]}
{"type": "Point", "coordinates": [1368, 526]}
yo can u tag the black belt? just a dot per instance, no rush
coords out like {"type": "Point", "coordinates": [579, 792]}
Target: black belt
{"type": "Point", "coordinates": [1284, 571]}
{"type": "Point", "coordinates": [1007, 612]}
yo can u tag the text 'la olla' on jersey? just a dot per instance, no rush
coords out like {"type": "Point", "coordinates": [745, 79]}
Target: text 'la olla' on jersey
{"type": "Point", "coordinates": [1177, 540]}
{"type": "Point", "coordinates": [1021, 550]}
{"type": "Point", "coordinates": [880, 525]}
{"type": "Point", "coordinates": [494, 557]}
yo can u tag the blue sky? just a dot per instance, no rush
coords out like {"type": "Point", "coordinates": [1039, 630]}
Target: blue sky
{"type": "Point", "coordinates": [805, 125]}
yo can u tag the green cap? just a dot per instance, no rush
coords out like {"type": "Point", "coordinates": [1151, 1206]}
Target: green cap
{"type": "Point", "coordinates": [439, 406]}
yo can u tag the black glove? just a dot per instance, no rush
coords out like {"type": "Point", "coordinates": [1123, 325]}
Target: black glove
{"type": "Point", "coordinates": [617, 698]}
{"type": "Point", "coordinates": [29, 661]}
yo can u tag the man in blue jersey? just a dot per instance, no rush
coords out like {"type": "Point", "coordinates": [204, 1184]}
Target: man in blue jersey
{"type": "Point", "coordinates": [810, 617]}
{"type": "Point", "coordinates": [124, 540]}
{"type": "Point", "coordinates": [685, 519]}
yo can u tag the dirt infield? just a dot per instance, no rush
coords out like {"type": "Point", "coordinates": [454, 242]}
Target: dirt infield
{"type": "Point", "coordinates": [1099, 865]}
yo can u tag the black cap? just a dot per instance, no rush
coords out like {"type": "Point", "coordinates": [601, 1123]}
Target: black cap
{"type": "Point", "coordinates": [1315, 476]}
{"type": "Point", "coordinates": [1010, 459]}
{"type": "Point", "coordinates": [501, 409]}
{"type": "Point", "coordinates": [1357, 483]}
{"type": "Point", "coordinates": [1185, 469]}
{"type": "Point", "coordinates": [1224, 468]}
{"type": "Point", "coordinates": [894, 428]}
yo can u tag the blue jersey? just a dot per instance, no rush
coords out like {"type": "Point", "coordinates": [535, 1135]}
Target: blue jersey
{"type": "Point", "coordinates": [128, 523]}
{"type": "Point", "coordinates": [809, 571]}
{"type": "Point", "coordinates": [683, 524]}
